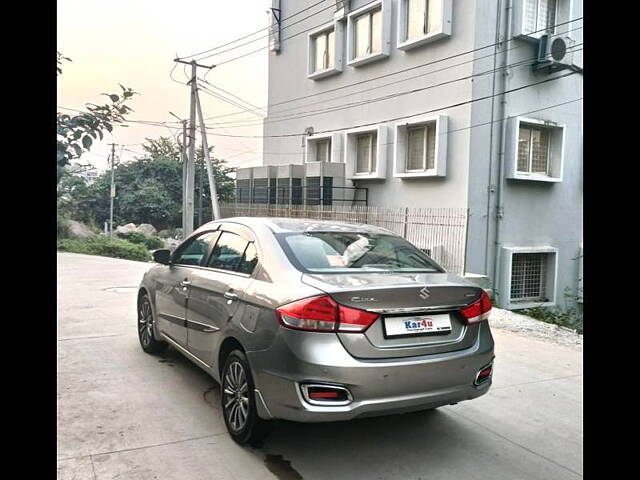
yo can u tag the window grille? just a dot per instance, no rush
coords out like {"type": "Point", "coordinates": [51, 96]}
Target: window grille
{"type": "Point", "coordinates": [528, 277]}
{"type": "Point", "coordinates": [539, 16]}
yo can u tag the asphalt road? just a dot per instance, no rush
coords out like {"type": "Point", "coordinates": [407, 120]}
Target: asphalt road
{"type": "Point", "coordinates": [123, 414]}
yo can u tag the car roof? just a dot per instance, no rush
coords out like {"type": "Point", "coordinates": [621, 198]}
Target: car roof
{"type": "Point", "coordinates": [286, 225]}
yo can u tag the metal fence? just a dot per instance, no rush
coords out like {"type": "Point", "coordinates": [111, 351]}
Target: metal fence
{"type": "Point", "coordinates": [441, 232]}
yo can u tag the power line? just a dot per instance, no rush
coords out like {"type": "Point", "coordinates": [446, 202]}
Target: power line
{"type": "Point", "coordinates": [459, 104]}
{"type": "Point", "coordinates": [335, 108]}
{"type": "Point", "coordinates": [323, 23]}
{"type": "Point", "coordinates": [308, 113]}
{"type": "Point", "coordinates": [414, 67]}
{"type": "Point", "coordinates": [469, 127]}
{"type": "Point", "coordinates": [251, 34]}
{"type": "Point", "coordinates": [267, 36]}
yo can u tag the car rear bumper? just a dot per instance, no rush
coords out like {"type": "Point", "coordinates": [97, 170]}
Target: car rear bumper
{"type": "Point", "coordinates": [378, 387]}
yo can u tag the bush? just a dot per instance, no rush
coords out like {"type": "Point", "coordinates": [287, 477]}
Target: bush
{"type": "Point", "coordinates": [150, 243]}
{"type": "Point", "coordinates": [106, 247]}
{"type": "Point", "coordinates": [569, 318]}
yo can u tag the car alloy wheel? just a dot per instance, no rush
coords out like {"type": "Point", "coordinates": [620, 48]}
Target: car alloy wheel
{"type": "Point", "coordinates": [236, 396]}
{"type": "Point", "coordinates": [145, 323]}
{"type": "Point", "coordinates": [146, 326]}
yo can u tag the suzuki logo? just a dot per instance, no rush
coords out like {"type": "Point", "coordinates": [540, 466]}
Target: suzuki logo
{"type": "Point", "coordinates": [425, 293]}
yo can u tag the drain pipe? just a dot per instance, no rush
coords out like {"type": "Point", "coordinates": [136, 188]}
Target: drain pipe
{"type": "Point", "coordinates": [503, 142]}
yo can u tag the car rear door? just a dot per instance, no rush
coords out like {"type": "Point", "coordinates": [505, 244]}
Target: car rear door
{"type": "Point", "coordinates": [172, 288]}
{"type": "Point", "coordinates": [217, 289]}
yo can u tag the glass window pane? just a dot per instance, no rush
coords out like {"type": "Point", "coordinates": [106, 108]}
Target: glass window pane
{"type": "Point", "coordinates": [415, 148]}
{"type": "Point", "coordinates": [323, 150]}
{"type": "Point", "coordinates": [415, 18]}
{"type": "Point", "coordinates": [376, 31]}
{"type": "Point", "coordinates": [431, 146]}
{"type": "Point", "coordinates": [530, 16]}
{"type": "Point", "coordinates": [524, 145]}
{"type": "Point", "coordinates": [362, 35]}
{"type": "Point", "coordinates": [331, 47]}
{"type": "Point", "coordinates": [374, 153]}
{"type": "Point", "coordinates": [348, 252]}
{"type": "Point", "coordinates": [319, 50]}
{"type": "Point", "coordinates": [434, 16]}
{"type": "Point", "coordinates": [546, 15]}
{"type": "Point", "coordinates": [539, 150]}
{"type": "Point", "coordinates": [362, 153]}
{"type": "Point", "coordinates": [249, 259]}
{"type": "Point", "coordinates": [193, 253]}
{"type": "Point", "coordinates": [227, 253]}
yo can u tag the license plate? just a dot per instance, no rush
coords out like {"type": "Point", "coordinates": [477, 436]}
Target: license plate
{"type": "Point", "coordinates": [417, 325]}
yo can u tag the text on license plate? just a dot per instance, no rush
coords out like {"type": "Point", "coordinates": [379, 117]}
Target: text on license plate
{"type": "Point", "coordinates": [418, 325]}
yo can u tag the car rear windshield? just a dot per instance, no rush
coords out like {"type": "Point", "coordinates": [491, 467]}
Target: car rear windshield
{"type": "Point", "coordinates": [335, 252]}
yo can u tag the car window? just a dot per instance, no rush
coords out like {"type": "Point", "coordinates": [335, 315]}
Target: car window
{"type": "Point", "coordinates": [228, 252]}
{"type": "Point", "coordinates": [193, 252]}
{"type": "Point", "coordinates": [334, 252]}
{"type": "Point", "coordinates": [249, 259]}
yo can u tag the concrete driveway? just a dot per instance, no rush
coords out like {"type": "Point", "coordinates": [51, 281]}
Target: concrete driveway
{"type": "Point", "coordinates": [123, 414]}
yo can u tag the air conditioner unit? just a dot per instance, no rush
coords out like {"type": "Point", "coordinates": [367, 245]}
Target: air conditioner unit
{"type": "Point", "coordinates": [555, 53]}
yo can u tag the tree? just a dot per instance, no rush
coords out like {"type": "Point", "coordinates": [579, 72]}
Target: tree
{"type": "Point", "coordinates": [76, 133]}
{"type": "Point", "coordinates": [149, 188]}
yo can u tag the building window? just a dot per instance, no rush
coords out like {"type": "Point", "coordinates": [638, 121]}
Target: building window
{"type": "Point", "coordinates": [421, 148]}
{"type": "Point", "coordinates": [528, 277]}
{"type": "Point", "coordinates": [534, 148]}
{"type": "Point", "coordinates": [538, 150]}
{"type": "Point", "coordinates": [368, 31]}
{"type": "Point", "coordinates": [325, 50]}
{"type": "Point", "coordinates": [323, 150]}
{"type": "Point", "coordinates": [422, 21]}
{"type": "Point", "coordinates": [367, 144]}
{"type": "Point", "coordinates": [539, 16]}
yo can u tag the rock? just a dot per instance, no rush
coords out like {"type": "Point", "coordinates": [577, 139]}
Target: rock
{"type": "Point", "coordinates": [146, 229]}
{"type": "Point", "coordinates": [124, 230]}
{"type": "Point", "coordinates": [78, 230]}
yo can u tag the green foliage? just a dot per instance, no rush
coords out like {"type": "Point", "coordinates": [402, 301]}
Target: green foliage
{"type": "Point", "coordinates": [106, 247]}
{"type": "Point", "coordinates": [148, 189]}
{"type": "Point", "coordinates": [569, 317]}
{"type": "Point", "coordinates": [149, 242]}
{"type": "Point", "coordinates": [76, 133]}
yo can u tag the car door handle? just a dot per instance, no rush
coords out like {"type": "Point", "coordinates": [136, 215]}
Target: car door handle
{"type": "Point", "coordinates": [230, 294]}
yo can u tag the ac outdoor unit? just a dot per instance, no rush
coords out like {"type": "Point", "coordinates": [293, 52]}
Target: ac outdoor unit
{"type": "Point", "coordinates": [555, 53]}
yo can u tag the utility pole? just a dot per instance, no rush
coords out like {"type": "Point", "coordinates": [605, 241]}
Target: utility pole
{"type": "Point", "coordinates": [112, 191]}
{"type": "Point", "coordinates": [184, 169]}
{"type": "Point", "coordinates": [189, 182]}
{"type": "Point", "coordinates": [215, 208]}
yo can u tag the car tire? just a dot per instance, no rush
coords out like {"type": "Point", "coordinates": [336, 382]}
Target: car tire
{"type": "Point", "coordinates": [146, 327]}
{"type": "Point", "coordinates": [238, 402]}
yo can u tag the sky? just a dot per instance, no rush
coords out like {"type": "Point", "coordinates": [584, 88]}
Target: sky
{"type": "Point", "coordinates": [134, 43]}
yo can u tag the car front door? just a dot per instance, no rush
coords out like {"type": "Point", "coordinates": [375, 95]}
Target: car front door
{"type": "Point", "coordinates": [172, 290]}
{"type": "Point", "coordinates": [217, 290]}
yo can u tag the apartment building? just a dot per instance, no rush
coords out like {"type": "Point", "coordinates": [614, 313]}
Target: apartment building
{"type": "Point", "coordinates": [441, 103]}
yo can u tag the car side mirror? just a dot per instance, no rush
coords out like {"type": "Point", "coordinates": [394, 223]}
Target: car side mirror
{"type": "Point", "coordinates": [162, 256]}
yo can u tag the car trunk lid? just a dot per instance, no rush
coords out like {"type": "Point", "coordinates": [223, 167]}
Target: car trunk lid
{"type": "Point", "coordinates": [400, 297]}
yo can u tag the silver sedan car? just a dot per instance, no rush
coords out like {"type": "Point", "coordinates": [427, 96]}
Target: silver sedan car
{"type": "Point", "coordinates": [316, 321]}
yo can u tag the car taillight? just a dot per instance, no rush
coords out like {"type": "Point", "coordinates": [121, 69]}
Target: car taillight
{"type": "Point", "coordinates": [323, 314]}
{"type": "Point", "coordinates": [477, 311]}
